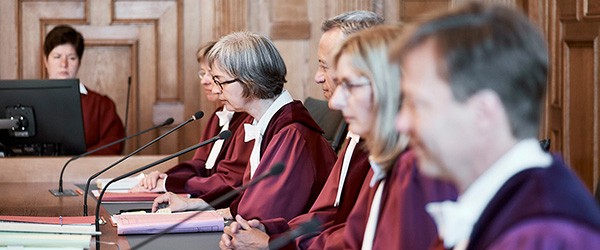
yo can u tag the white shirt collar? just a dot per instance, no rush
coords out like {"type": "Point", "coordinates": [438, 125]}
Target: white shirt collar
{"type": "Point", "coordinates": [82, 89]}
{"type": "Point", "coordinates": [455, 220]}
{"type": "Point", "coordinates": [283, 99]}
{"type": "Point", "coordinates": [353, 137]}
{"type": "Point", "coordinates": [378, 173]}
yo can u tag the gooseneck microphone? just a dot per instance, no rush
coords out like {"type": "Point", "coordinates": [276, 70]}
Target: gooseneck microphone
{"type": "Point", "coordinates": [221, 136]}
{"type": "Point", "coordinates": [306, 227]}
{"type": "Point", "coordinates": [274, 171]}
{"type": "Point", "coordinates": [69, 192]}
{"type": "Point", "coordinates": [196, 116]}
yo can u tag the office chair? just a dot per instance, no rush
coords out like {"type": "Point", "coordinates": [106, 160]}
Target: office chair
{"type": "Point", "coordinates": [329, 120]}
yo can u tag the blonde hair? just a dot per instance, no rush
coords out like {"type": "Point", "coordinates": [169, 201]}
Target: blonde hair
{"type": "Point", "coordinates": [202, 52]}
{"type": "Point", "coordinates": [368, 50]}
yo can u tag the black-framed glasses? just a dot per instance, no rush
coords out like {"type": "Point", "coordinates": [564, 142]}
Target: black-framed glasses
{"type": "Point", "coordinates": [220, 84]}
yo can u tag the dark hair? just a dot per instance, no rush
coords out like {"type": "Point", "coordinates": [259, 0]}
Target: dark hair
{"type": "Point", "coordinates": [64, 34]}
{"type": "Point", "coordinates": [488, 47]}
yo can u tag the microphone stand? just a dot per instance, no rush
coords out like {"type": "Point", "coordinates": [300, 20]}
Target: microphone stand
{"type": "Point", "coordinates": [87, 184]}
{"type": "Point", "coordinates": [223, 135]}
{"type": "Point", "coordinates": [274, 171]}
{"type": "Point", "coordinates": [60, 192]}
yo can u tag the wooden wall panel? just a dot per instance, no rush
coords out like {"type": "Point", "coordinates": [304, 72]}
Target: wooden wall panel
{"type": "Point", "coordinates": [581, 90]}
{"type": "Point", "coordinates": [155, 42]}
{"type": "Point", "coordinates": [572, 110]}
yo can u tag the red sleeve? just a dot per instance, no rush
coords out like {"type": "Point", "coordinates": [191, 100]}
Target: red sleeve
{"type": "Point", "coordinates": [229, 172]}
{"type": "Point", "coordinates": [288, 194]}
{"type": "Point", "coordinates": [101, 123]}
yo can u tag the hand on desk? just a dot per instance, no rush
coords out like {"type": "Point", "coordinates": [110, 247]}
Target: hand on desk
{"type": "Point", "coordinates": [152, 182]}
{"type": "Point", "coordinates": [243, 234]}
{"type": "Point", "coordinates": [178, 203]}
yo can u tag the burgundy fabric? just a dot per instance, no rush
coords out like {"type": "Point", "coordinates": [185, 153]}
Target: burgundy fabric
{"type": "Point", "coordinates": [101, 123]}
{"type": "Point", "coordinates": [403, 222]}
{"type": "Point", "coordinates": [192, 177]}
{"type": "Point", "coordinates": [543, 194]}
{"type": "Point", "coordinates": [293, 138]}
{"type": "Point", "coordinates": [323, 208]}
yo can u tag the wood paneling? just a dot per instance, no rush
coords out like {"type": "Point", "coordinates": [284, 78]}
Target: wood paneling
{"type": "Point", "coordinates": [155, 41]}
{"type": "Point", "coordinates": [572, 110]}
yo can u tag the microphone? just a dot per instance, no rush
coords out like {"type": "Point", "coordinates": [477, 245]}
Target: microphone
{"type": "Point", "coordinates": [221, 136]}
{"type": "Point", "coordinates": [69, 192]}
{"type": "Point", "coordinates": [127, 102]}
{"type": "Point", "coordinates": [196, 116]}
{"type": "Point", "coordinates": [274, 171]}
{"type": "Point", "coordinates": [306, 227]}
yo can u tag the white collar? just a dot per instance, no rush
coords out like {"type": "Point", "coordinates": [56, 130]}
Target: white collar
{"type": "Point", "coordinates": [353, 137]}
{"type": "Point", "coordinates": [82, 89]}
{"type": "Point", "coordinates": [283, 99]}
{"type": "Point", "coordinates": [455, 220]}
{"type": "Point", "coordinates": [378, 173]}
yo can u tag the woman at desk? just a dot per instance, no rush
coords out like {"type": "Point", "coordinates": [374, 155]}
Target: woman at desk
{"type": "Point", "coordinates": [63, 50]}
{"type": "Point", "coordinates": [212, 171]}
{"type": "Point", "coordinates": [249, 74]}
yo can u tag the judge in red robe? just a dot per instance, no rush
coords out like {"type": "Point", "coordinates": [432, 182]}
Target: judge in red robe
{"type": "Point", "coordinates": [63, 49]}
{"type": "Point", "coordinates": [216, 168]}
{"type": "Point", "coordinates": [249, 74]}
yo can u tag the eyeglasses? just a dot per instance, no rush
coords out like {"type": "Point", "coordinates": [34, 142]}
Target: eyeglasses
{"type": "Point", "coordinates": [220, 84]}
{"type": "Point", "coordinates": [348, 86]}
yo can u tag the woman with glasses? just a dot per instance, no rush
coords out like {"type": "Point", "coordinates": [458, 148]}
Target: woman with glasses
{"type": "Point", "coordinates": [249, 74]}
{"type": "Point", "coordinates": [390, 211]}
{"type": "Point", "coordinates": [211, 172]}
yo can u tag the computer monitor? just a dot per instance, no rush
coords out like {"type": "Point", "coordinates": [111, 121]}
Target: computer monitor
{"type": "Point", "coordinates": [41, 117]}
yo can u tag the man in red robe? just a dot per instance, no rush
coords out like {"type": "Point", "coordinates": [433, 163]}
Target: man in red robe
{"type": "Point", "coordinates": [474, 82]}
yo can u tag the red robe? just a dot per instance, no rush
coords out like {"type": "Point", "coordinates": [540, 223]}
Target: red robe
{"type": "Point", "coordinates": [101, 123]}
{"type": "Point", "coordinates": [192, 177]}
{"type": "Point", "coordinates": [293, 138]}
{"type": "Point", "coordinates": [403, 222]}
{"type": "Point", "coordinates": [539, 208]}
{"type": "Point", "coordinates": [330, 217]}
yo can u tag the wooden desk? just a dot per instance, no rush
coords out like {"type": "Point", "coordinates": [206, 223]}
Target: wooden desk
{"type": "Point", "coordinates": [33, 199]}
{"type": "Point", "coordinates": [47, 169]}
{"type": "Point", "coordinates": [25, 181]}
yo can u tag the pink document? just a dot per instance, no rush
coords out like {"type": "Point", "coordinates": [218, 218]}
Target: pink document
{"type": "Point", "coordinates": [151, 223]}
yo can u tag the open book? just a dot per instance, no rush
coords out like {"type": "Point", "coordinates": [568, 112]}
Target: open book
{"type": "Point", "coordinates": [151, 223]}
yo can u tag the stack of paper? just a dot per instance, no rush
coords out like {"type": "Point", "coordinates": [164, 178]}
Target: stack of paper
{"type": "Point", "coordinates": [47, 232]}
{"type": "Point", "coordinates": [126, 183]}
{"type": "Point", "coordinates": [151, 223]}
{"type": "Point", "coordinates": [126, 196]}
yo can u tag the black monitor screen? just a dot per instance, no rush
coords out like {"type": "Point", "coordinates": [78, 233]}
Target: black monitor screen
{"type": "Point", "coordinates": [47, 114]}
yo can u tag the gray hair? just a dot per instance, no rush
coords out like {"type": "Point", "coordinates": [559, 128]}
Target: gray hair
{"type": "Point", "coordinates": [254, 60]}
{"type": "Point", "coordinates": [352, 21]}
